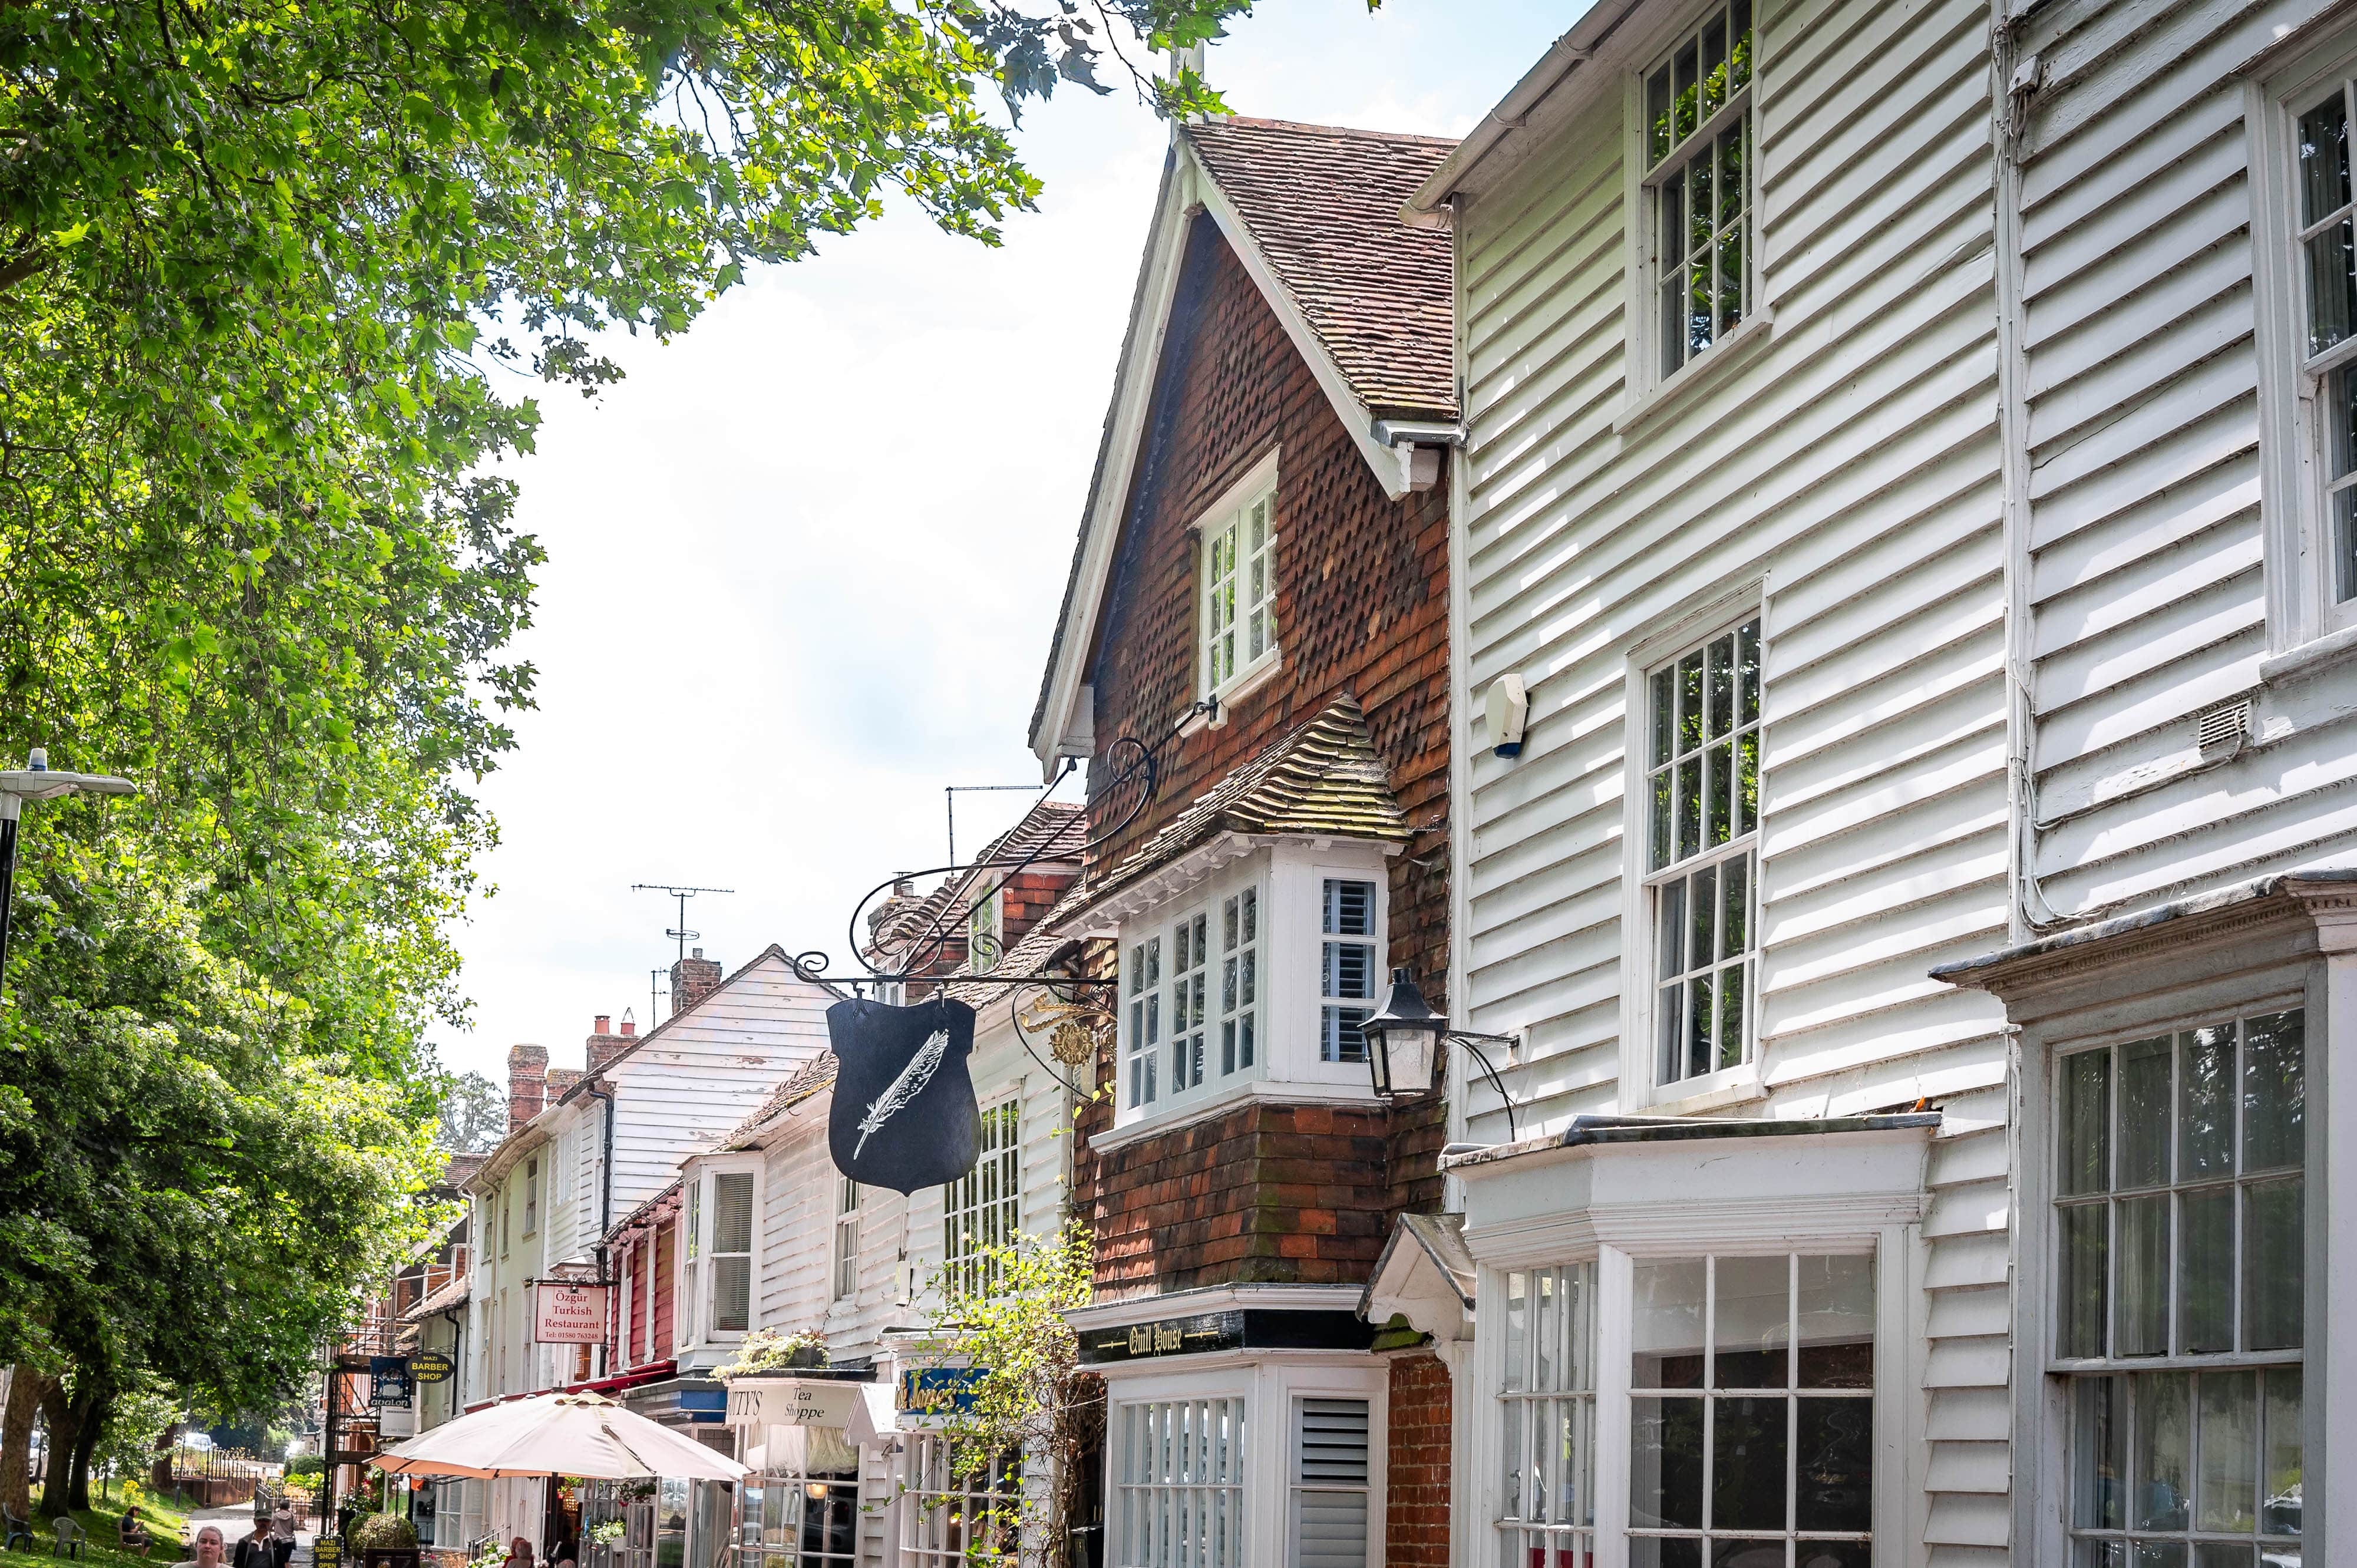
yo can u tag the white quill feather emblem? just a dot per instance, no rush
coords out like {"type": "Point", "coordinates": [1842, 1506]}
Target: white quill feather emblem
{"type": "Point", "coordinates": [905, 1087]}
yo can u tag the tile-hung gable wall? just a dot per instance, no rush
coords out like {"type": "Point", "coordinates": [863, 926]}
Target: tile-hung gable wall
{"type": "Point", "coordinates": [1362, 607]}
{"type": "Point", "coordinates": [1837, 479]}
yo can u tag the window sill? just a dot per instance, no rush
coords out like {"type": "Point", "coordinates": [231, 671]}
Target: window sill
{"type": "Point", "coordinates": [2309, 658]}
{"type": "Point", "coordinates": [1712, 1091]}
{"type": "Point", "coordinates": [1663, 395]}
{"type": "Point", "coordinates": [1221, 1101]}
{"type": "Point", "coordinates": [1243, 685]}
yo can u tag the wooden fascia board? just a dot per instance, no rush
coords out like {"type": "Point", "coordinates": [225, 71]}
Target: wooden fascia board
{"type": "Point", "coordinates": [1141, 357]}
{"type": "Point", "coordinates": [1389, 469]}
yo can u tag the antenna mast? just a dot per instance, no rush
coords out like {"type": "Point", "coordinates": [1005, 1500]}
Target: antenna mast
{"type": "Point", "coordinates": [680, 931]}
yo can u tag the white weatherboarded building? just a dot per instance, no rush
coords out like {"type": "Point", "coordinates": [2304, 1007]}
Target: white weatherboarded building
{"type": "Point", "coordinates": [1905, 458]}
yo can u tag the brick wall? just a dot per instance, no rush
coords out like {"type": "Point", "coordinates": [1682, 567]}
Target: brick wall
{"type": "Point", "coordinates": [1415, 1521]}
{"type": "Point", "coordinates": [1273, 1193]}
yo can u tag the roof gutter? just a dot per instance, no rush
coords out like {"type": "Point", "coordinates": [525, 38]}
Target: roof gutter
{"type": "Point", "coordinates": [1428, 207]}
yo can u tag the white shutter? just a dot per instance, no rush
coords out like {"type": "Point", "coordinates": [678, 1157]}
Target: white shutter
{"type": "Point", "coordinates": [1330, 1483]}
{"type": "Point", "coordinates": [732, 1245]}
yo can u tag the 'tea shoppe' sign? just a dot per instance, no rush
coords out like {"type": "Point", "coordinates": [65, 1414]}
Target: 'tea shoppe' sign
{"type": "Point", "coordinates": [569, 1313]}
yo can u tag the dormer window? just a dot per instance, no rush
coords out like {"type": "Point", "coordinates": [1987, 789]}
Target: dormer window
{"type": "Point", "coordinates": [1237, 572]}
{"type": "Point", "coordinates": [1253, 982]}
{"type": "Point", "coordinates": [984, 933]}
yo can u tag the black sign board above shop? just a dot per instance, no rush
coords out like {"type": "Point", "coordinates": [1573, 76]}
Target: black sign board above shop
{"type": "Point", "coordinates": [1250, 1330]}
{"type": "Point", "coordinates": [904, 1114]}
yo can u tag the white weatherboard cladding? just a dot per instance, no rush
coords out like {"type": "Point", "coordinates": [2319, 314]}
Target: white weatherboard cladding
{"type": "Point", "coordinates": [685, 1086]}
{"type": "Point", "coordinates": [1843, 475]}
{"type": "Point", "coordinates": [2148, 593]}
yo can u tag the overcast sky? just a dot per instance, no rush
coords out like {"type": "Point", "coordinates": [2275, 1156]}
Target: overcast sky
{"type": "Point", "coordinates": [805, 561]}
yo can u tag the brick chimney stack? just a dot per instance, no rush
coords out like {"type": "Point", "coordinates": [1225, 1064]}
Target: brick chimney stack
{"type": "Point", "coordinates": [561, 1079]}
{"type": "Point", "coordinates": [527, 1083]}
{"type": "Point", "coordinates": [691, 980]}
{"type": "Point", "coordinates": [604, 1044]}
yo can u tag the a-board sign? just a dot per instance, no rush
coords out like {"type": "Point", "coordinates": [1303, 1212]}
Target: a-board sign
{"type": "Point", "coordinates": [565, 1313]}
{"type": "Point", "coordinates": [327, 1551]}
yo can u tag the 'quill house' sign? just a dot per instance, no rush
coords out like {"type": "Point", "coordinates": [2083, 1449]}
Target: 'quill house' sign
{"type": "Point", "coordinates": [904, 1114]}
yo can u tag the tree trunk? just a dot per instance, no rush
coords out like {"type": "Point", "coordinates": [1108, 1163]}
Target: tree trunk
{"type": "Point", "coordinates": [93, 1424]}
{"type": "Point", "coordinates": [25, 1391]}
{"type": "Point", "coordinates": [159, 1473]}
{"type": "Point", "coordinates": [58, 1409]}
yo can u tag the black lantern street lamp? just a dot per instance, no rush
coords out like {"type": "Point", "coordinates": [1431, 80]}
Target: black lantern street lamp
{"type": "Point", "coordinates": [35, 782]}
{"type": "Point", "coordinates": [1403, 1045]}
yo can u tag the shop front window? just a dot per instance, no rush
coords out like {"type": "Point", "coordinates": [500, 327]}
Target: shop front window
{"type": "Point", "coordinates": [1547, 1405]}
{"type": "Point", "coordinates": [1751, 1412]}
{"type": "Point", "coordinates": [2179, 1205]}
{"type": "Point", "coordinates": [1179, 1482]}
{"type": "Point", "coordinates": [960, 1513]}
{"type": "Point", "coordinates": [802, 1509]}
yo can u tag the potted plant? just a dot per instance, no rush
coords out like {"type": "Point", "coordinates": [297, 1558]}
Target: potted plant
{"type": "Point", "coordinates": [383, 1541]}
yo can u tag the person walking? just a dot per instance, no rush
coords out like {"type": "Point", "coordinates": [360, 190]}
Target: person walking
{"type": "Point", "coordinates": [206, 1551]}
{"type": "Point", "coordinates": [255, 1550]}
{"type": "Point", "coordinates": [282, 1532]}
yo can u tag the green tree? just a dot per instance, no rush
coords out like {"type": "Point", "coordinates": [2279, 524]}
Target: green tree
{"type": "Point", "coordinates": [474, 1114]}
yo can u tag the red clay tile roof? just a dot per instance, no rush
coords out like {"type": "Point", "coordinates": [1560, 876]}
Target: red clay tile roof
{"type": "Point", "coordinates": [1323, 203]}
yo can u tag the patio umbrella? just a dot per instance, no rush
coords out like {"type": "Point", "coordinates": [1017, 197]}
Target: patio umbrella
{"type": "Point", "coordinates": [582, 1434]}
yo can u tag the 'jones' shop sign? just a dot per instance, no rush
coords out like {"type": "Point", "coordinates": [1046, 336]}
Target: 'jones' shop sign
{"type": "Point", "coordinates": [904, 1114]}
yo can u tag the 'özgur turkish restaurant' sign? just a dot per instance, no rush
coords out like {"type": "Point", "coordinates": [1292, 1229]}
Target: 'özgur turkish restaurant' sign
{"type": "Point", "coordinates": [569, 1315]}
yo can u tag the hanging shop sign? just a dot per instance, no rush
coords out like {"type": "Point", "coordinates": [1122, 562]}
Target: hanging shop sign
{"type": "Point", "coordinates": [565, 1313]}
{"type": "Point", "coordinates": [389, 1382]}
{"type": "Point", "coordinates": [790, 1401]}
{"type": "Point", "coordinates": [937, 1391]}
{"type": "Point", "coordinates": [904, 1114]}
{"type": "Point", "coordinates": [432, 1367]}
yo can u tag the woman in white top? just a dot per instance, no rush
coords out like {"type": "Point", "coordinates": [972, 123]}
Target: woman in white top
{"type": "Point", "coordinates": [207, 1549]}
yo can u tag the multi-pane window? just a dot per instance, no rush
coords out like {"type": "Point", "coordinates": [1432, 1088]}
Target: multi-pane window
{"type": "Point", "coordinates": [1703, 788]}
{"type": "Point", "coordinates": [531, 1196]}
{"type": "Point", "coordinates": [732, 1251]}
{"type": "Point", "coordinates": [1239, 590]}
{"type": "Point", "coordinates": [1347, 968]}
{"type": "Point", "coordinates": [1698, 182]}
{"type": "Point", "coordinates": [1547, 1403]}
{"type": "Point", "coordinates": [1330, 1478]}
{"type": "Point", "coordinates": [1751, 1411]}
{"type": "Point", "coordinates": [804, 1511]}
{"type": "Point", "coordinates": [1178, 1480]}
{"type": "Point", "coordinates": [691, 1263]}
{"type": "Point", "coordinates": [1190, 959]}
{"type": "Point", "coordinates": [982, 937]}
{"type": "Point", "coordinates": [1144, 1018]}
{"type": "Point", "coordinates": [2180, 1209]}
{"type": "Point", "coordinates": [1239, 978]}
{"type": "Point", "coordinates": [846, 1237]}
{"type": "Point", "coordinates": [953, 1517]}
{"type": "Point", "coordinates": [2328, 239]}
{"type": "Point", "coordinates": [983, 1209]}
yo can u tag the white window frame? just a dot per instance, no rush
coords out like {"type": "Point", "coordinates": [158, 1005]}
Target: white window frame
{"type": "Point", "coordinates": [1265, 1384]}
{"type": "Point", "coordinates": [1332, 1003]}
{"type": "Point", "coordinates": [844, 1285]}
{"type": "Point", "coordinates": [2302, 610]}
{"type": "Point", "coordinates": [984, 932]}
{"type": "Point", "coordinates": [532, 1195]}
{"type": "Point", "coordinates": [1227, 519]}
{"type": "Point", "coordinates": [983, 1209]}
{"type": "Point", "coordinates": [936, 1503]}
{"type": "Point", "coordinates": [1287, 880]}
{"type": "Point", "coordinates": [1641, 1078]}
{"type": "Point", "coordinates": [1648, 384]}
{"type": "Point", "coordinates": [707, 1305]}
{"type": "Point", "coordinates": [2042, 1498]}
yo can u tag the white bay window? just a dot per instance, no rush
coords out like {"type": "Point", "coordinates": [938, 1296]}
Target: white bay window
{"type": "Point", "coordinates": [2178, 1332]}
{"type": "Point", "coordinates": [716, 1275]}
{"type": "Point", "coordinates": [1252, 979]}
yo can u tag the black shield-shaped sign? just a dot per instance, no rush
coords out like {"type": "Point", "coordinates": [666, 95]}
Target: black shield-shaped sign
{"type": "Point", "coordinates": [904, 1113]}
